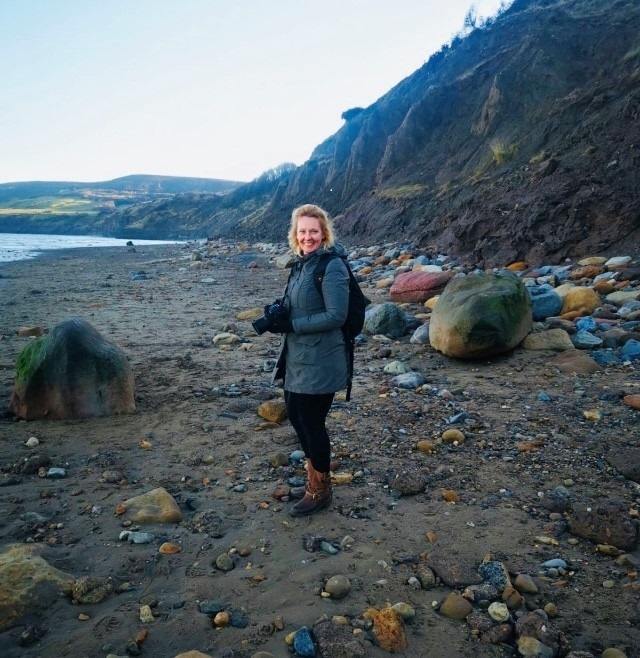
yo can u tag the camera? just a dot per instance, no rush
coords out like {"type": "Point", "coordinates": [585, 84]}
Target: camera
{"type": "Point", "coordinates": [271, 313]}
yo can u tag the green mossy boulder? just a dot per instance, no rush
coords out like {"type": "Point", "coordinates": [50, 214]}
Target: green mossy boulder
{"type": "Point", "coordinates": [481, 315]}
{"type": "Point", "coordinates": [72, 372]}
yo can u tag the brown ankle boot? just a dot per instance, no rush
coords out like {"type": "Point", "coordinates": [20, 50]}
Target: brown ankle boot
{"type": "Point", "coordinates": [317, 495]}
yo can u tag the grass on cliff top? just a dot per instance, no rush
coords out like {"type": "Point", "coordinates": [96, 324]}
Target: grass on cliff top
{"type": "Point", "coordinates": [49, 206]}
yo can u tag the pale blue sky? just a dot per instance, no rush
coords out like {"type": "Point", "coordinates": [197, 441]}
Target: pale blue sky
{"type": "Point", "coordinates": [96, 89]}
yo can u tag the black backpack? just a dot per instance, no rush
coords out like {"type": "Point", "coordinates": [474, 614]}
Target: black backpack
{"type": "Point", "coordinates": [357, 305]}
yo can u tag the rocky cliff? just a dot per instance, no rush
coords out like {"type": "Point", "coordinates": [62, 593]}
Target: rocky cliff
{"type": "Point", "coordinates": [520, 140]}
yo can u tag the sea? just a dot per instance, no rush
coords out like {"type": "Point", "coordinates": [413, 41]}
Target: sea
{"type": "Point", "coordinates": [22, 246]}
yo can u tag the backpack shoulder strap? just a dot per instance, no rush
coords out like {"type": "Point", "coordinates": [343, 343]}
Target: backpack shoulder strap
{"type": "Point", "coordinates": [321, 268]}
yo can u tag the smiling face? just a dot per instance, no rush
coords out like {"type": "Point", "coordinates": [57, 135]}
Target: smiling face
{"type": "Point", "coordinates": [309, 234]}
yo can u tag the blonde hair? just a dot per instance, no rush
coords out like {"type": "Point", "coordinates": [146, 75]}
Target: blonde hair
{"type": "Point", "coordinates": [309, 210]}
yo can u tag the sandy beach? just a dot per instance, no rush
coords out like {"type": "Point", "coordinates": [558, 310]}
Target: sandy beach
{"type": "Point", "coordinates": [197, 434]}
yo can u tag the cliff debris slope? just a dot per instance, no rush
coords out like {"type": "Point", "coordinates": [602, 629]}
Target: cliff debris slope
{"type": "Point", "coordinates": [516, 141]}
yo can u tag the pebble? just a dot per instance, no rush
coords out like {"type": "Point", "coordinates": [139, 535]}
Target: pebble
{"type": "Point", "coordinates": [224, 562]}
{"type": "Point", "coordinates": [525, 584]}
{"type": "Point", "coordinates": [556, 563]}
{"type": "Point", "coordinates": [56, 473]}
{"type": "Point", "coordinates": [134, 537]}
{"type": "Point", "coordinates": [337, 586]}
{"type": "Point", "coordinates": [302, 643]}
{"type": "Point", "coordinates": [405, 610]}
{"type": "Point", "coordinates": [498, 611]}
{"type": "Point", "coordinates": [612, 652]}
{"type": "Point", "coordinates": [32, 442]}
{"type": "Point", "coordinates": [456, 606]}
{"type": "Point", "coordinates": [221, 619]}
{"type": "Point", "coordinates": [146, 615]}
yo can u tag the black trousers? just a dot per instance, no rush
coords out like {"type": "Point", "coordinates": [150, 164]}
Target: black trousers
{"type": "Point", "coordinates": [308, 414]}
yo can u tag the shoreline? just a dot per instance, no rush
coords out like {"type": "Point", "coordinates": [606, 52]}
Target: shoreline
{"type": "Point", "coordinates": [196, 433]}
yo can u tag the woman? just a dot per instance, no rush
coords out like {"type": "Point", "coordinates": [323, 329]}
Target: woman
{"type": "Point", "coordinates": [313, 359]}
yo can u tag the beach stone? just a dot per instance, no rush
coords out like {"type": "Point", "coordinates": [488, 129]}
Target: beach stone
{"type": "Point", "coordinates": [408, 484]}
{"type": "Point", "coordinates": [452, 436]}
{"type": "Point", "coordinates": [605, 522]}
{"type": "Point", "coordinates": [91, 590]}
{"type": "Point", "coordinates": [420, 335]}
{"type": "Point", "coordinates": [336, 640]}
{"type": "Point", "coordinates": [499, 611]}
{"type": "Point", "coordinates": [512, 598]}
{"type": "Point", "coordinates": [410, 380]}
{"type": "Point", "coordinates": [603, 287]}
{"type": "Point", "coordinates": [388, 629]}
{"type": "Point", "coordinates": [481, 315]}
{"type": "Point", "coordinates": [275, 411]}
{"type": "Point", "coordinates": [529, 646]}
{"type": "Point", "coordinates": [621, 297]}
{"type": "Point", "coordinates": [582, 299]}
{"type": "Point", "coordinates": [72, 372]}
{"type": "Point", "coordinates": [28, 584]}
{"type": "Point", "coordinates": [525, 584]}
{"type": "Point", "coordinates": [303, 643]}
{"type": "Point", "coordinates": [425, 576]}
{"type": "Point", "coordinates": [495, 573]}
{"type": "Point", "coordinates": [593, 260]}
{"type": "Point", "coordinates": [385, 319]}
{"type": "Point", "coordinates": [612, 652]}
{"type": "Point", "coordinates": [226, 338]}
{"type": "Point", "coordinates": [156, 506]}
{"type": "Point", "coordinates": [536, 634]}
{"type": "Point", "coordinates": [406, 611]}
{"type": "Point", "coordinates": [574, 362]}
{"type": "Point", "coordinates": [586, 272]}
{"type": "Point", "coordinates": [418, 286]}
{"type": "Point", "coordinates": [455, 606]}
{"type": "Point", "coordinates": [193, 654]}
{"type": "Point", "coordinates": [545, 302]}
{"type": "Point", "coordinates": [583, 340]}
{"type": "Point", "coordinates": [557, 340]}
{"type": "Point", "coordinates": [338, 586]}
{"type": "Point", "coordinates": [278, 459]}
{"type": "Point", "coordinates": [631, 350]}
{"type": "Point", "coordinates": [499, 634]}
{"type": "Point", "coordinates": [28, 332]}
{"type": "Point", "coordinates": [250, 314]}
{"type": "Point", "coordinates": [479, 621]}
{"type": "Point", "coordinates": [632, 401]}
{"type": "Point", "coordinates": [626, 460]}
{"type": "Point", "coordinates": [617, 262]}
{"type": "Point", "coordinates": [396, 368]}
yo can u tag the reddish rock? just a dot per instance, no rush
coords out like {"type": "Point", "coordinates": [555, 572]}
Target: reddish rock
{"type": "Point", "coordinates": [632, 401]}
{"type": "Point", "coordinates": [418, 286]}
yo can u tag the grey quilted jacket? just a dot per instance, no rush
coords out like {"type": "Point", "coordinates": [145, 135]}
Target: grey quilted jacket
{"type": "Point", "coordinates": [314, 358]}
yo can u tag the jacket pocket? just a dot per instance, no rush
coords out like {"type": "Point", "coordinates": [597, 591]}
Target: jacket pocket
{"type": "Point", "coordinates": [308, 348]}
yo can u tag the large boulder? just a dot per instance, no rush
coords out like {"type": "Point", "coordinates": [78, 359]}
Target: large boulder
{"type": "Point", "coordinates": [72, 372]}
{"type": "Point", "coordinates": [386, 319]}
{"type": "Point", "coordinates": [418, 286]}
{"type": "Point", "coordinates": [481, 315]}
{"type": "Point", "coordinates": [28, 584]}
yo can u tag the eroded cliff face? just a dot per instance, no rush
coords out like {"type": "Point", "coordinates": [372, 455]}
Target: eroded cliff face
{"type": "Point", "coordinates": [519, 141]}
